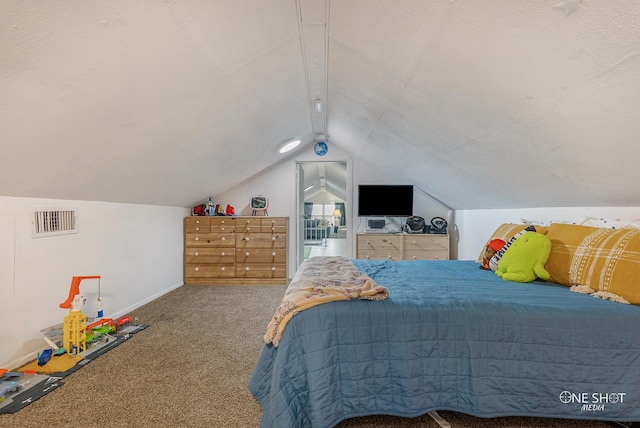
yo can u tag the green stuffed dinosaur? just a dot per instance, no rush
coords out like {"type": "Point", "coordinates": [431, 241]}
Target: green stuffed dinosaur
{"type": "Point", "coordinates": [524, 261]}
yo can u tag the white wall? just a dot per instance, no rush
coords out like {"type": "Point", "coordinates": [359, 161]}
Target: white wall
{"type": "Point", "coordinates": [423, 204]}
{"type": "Point", "coordinates": [136, 249]}
{"type": "Point", "coordinates": [468, 229]}
{"type": "Point", "coordinates": [475, 226]}
{"type": "Point", "coordinates": [279, 184]}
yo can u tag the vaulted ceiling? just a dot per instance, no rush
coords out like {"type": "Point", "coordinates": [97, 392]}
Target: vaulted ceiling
{"type": "Point", "coordinates": [481, 104]}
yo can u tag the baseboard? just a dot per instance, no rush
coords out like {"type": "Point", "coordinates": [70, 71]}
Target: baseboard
{"type": "Point", "coordinates": [149, 299]}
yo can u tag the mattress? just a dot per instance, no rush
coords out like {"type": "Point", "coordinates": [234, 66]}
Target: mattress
{"type": "Point", "coordinates": [453, 337]}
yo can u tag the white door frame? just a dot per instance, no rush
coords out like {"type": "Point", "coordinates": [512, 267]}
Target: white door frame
{"type": "Point", "coordinates": [300, 207]}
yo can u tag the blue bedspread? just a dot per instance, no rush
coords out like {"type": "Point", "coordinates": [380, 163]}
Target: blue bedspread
{"type": "Point", "coordinates": [453, 337]}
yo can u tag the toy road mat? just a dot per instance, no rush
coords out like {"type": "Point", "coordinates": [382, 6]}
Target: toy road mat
{"type": "Point", "coordinates": [32, 387]}
{"type": "Point", "coordinates": [36, 381]}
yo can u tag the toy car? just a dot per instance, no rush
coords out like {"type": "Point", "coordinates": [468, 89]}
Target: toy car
{"type": "Point", "coordinates": [44, 357]}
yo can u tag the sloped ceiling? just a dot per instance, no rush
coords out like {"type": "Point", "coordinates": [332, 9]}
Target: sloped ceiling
{"type": "Point", "coordinates": [325, 182]}
{"type": "Point", "coordinates": [482, 104]}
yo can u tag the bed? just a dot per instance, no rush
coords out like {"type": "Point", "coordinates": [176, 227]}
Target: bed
{"type": "Point", "coordinates": [452, 337]}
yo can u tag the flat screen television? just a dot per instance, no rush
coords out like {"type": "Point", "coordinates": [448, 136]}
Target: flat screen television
{"type": "Point", "coordinates": [379, 200]}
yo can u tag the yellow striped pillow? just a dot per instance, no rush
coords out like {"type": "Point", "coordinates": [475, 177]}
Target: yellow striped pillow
{"type": "Point", "coordinates": [605, 260]}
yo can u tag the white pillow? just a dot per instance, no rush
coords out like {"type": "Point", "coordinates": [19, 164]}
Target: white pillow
{"type": "Point", "coordinates": [608, 223]}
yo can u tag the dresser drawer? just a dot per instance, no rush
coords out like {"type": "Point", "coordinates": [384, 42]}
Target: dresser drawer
{"type": "Point", "coordinates": [380, 242]}
{"type": "Point", "coordinates": [196, 225]}
{"type": "Point", "coordinates": [261, 255]}
{"type": "Point", "coordinates": [273, 225]}
{"type": "Point", "coordinates": [426, 247]}
{"type": "Point", "coordinates": [260, 240]}
{"type": "Point", "coordinates": [426, 255]}
{"type": "Point", "coordinates": [426, 243]}
{"type": "Point", "coordinates": [209, 239]}
{"type": "Point", "coordinates": [222, 225]}
{"type": "Point", "coordinates": [379, 247]}
{"type": "Point", "coordinates": [209, 255]}
{"type": "Point", "coordinates": [194, 270]}
{"type": "Point", "coordinates": [260, 270]}
{"type": "Point", "coordinates": [250, 225]}
{"type": "Point", "coordinates": [379, 255]}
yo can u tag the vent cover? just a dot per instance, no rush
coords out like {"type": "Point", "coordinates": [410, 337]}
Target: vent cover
{"type": "Point", "coordinates": [51, 222]}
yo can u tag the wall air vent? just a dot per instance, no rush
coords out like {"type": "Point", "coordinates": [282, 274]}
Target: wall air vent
{"type": "Point", "coordinates": [52, 222]}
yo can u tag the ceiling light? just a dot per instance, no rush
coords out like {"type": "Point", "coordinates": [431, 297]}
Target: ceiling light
{"type": "Point", "coordinates": [289, 145]}
{"type": "Point", "coordinates": [318, 106]}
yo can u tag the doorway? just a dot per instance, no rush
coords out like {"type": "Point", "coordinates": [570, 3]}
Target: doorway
{"type": "Point", "coordinates": [322, 209]}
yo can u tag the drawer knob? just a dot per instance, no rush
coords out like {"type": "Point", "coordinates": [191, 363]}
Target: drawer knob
{"type": "Point", "coordinates": [273, 229]}
{"type": "Point", "coordinates": [248, 229]}
{"type": "Point", "coordinates": [196, 254]}
{"type": "Point", "coordinates": [414, 242]}
{"type": "Point", "coordinates": [368, 242]}
{"type": "Point", "coordinates": [246, 254]}
{"type": "Point", "coordinates": [273, 254]}
{"type": "Point", "coordinates": [197, 228]}
{"type": "Point", "coordinates": [245, 239]}
{"type": "Point", "coordinates": [273, 222]}
{"type": "Point", "coordinates": [223, 238]}
{"type": "Point", "coordinates": [368, 257]}
{"type": "Point", "coordinates": [222, 268]}
{"type": "Point", "coordinates": [389, 257]}
{"type": "Point", "coordinates": [223, 254]}
{"type": "Point", "coordinates": [247, 268]}
{"type": "Point", "coordinates": [196, 239]}
{"type": "Point", "coordinates": [197, 221]}
{"type": "Point", "coordinates": [222, 222]}
{"type": "Point", "coordinates": [273, 238]}
{"type": "Point", "coordinates": [196, 269]}
{"type": "Point", "coordinates": [273, 268]}
{"type": "Point", "coordinates": [222, 228]}
{"type": "Point", "coordinates": [414, 257]}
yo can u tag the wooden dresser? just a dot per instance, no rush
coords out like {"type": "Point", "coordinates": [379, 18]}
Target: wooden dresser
{"type": "Point", "coordinates": [235, 250]}
{"type": "Point", "coordinates": [402, 246]}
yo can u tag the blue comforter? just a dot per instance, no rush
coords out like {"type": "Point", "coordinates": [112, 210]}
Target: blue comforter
{"type": "Point", "coordinates": [453, 337]}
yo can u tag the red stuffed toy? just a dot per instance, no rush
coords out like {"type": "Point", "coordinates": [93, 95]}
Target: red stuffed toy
{"type": "Point", "coordinates": [492, 247]}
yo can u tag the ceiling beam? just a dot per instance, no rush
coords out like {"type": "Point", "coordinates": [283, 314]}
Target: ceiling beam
{"type": "Point", "coordinates": [314, 40]}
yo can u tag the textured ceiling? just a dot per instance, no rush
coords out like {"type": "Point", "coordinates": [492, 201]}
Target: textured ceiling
{"type": "Point", "coordinates": [482, 104]}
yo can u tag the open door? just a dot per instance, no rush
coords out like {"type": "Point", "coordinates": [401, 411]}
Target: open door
{"type": "Point", "coordinates": [322, 209]}
{"type": "Point", "coordinates": [299, 215]}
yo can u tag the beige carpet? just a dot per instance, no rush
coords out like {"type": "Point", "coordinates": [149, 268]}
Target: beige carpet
{"type": "Point", "coordinates": [190, 368]}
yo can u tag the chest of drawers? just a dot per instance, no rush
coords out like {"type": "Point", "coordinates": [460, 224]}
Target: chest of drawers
{"type": "Point", "coordinates": [235, 250]}
{"type": "Point", "coordinates": [402, 246]}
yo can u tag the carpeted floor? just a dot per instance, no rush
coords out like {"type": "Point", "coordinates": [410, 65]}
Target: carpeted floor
{"type": "Point", "coordinates": [190, 368]}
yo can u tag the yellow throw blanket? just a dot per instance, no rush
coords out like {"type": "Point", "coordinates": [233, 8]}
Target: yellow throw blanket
{"type": "Point", "coordinates": [321, 280]}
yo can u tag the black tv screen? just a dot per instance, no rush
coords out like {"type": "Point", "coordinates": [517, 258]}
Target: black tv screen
{"type": "Point", "coordinates": [377, 200]}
